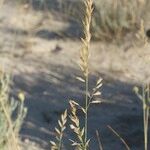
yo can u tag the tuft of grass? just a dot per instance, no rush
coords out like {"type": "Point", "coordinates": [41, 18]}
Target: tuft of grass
{"type": "Point", "coordinates": [12, 113]}
{"type": "Point", "coordinates": [112, 19]}
{"type": "Point", "coordinates": [115, 18]}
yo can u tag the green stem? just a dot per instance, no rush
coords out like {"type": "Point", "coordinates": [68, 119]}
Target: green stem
{"type": "Point", "coordinates": [60, 142]}
{"type": "Point", "coordinates": [86, 109]}
{"type": "Point", "coordinates": [145, 136]}
{"type": "Point", "coordinates": [145, 117]}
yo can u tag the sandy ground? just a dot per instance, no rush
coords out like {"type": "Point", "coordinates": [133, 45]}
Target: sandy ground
{"type": "Point", "coordinates": [42, 59]}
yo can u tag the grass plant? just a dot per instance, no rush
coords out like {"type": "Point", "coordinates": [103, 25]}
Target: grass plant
{"type": "Point", "coordinates": [12, 113]}
{"type": "Point", "coordinates": [112, 19]}
{"type": "Point", "coordinates": [144, 96]}
{"type": "Point", "coordinates": [107, 20]}
{"type": "Point", "coordinates": [128, 18]}
{"type": "Point", "coordinates": [81, 133]}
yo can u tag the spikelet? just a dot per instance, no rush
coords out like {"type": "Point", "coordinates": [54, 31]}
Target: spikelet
{"type": "Point", "coordinates": [75, 126]}
{"type": "Point", "coordinates": [57, 145]}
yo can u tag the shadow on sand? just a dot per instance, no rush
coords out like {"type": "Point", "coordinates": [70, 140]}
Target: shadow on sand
{"type": "Point", "coordinates": [47, 97]}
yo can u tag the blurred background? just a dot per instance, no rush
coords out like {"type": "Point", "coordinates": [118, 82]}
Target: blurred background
{"type": "Point", "coordinates": [39, 47]}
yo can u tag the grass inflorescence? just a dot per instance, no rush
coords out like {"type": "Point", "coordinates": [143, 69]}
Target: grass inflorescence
{"type": "Point", "coordinates": [81, 132]}
{"type": "Point", "coordinates": [57, 144]}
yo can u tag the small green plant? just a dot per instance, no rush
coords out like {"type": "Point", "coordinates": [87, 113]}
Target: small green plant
{"type": "Point", "coordinates": [12, 113]}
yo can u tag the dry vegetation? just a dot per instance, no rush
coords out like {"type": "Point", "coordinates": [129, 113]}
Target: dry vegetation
{"type": "Point", "coordinates": [12, 113]}
{"type": "Point", "coordinates": [102, 20]}
{"type": "Point", "coordinates": [114, 19]}
{"type": "Point", "coordinates": [111, 20]}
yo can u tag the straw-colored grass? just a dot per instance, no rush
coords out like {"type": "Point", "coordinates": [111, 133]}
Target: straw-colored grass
{"type": "Point", "coordinates": [57, 144]}
{"type": "Point", "coordinates": [113, 19]}
{"type": "Point", "coordinates": [117, 19]}
{"type": "Point", "coordinates": [82, 142]}
{"type": "Point", "coordinates": [9, 128]}
{"type": "Point", "coordinates": [82, 132]}
{"type": "Point", "coordinates": [144, 96]}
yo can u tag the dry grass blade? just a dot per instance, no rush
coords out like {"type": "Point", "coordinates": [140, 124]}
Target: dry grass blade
{"type": "Point", "coordinates": [99, 141]}
{"type": "Point", "coordinates": [122, 140]}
